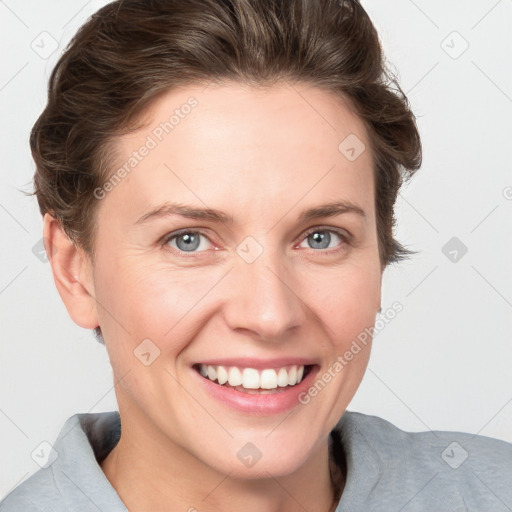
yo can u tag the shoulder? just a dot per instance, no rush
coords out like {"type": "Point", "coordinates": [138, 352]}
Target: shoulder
{"type": "Point", "coordinates": [35, 494]}
{"type": "Point", "coordinates": [73, 479]}
{"type": "Point", "coordinates": [432, 466]}
{"type": "Point", "coordinates": [389, 437]}
{"type": "Point", "coordinates": [39, 492]}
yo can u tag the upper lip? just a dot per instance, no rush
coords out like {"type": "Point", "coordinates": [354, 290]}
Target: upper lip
{"type": "Point", "coordinates": [251, 362]}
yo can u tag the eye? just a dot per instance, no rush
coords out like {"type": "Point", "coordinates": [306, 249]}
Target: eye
{"type": "Point", "coordinates": [186, 241]}
{"type": "Point", "coordinates": [321, 238]}
{"type": "Point", "coordinates": [193, 241]}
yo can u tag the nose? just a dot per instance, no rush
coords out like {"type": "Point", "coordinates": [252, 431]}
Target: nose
{"type": "Point", "coordinates": [264, 298]}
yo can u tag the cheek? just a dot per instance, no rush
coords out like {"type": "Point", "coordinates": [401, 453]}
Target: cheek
{"type": "Point", "coordinates": [346, 302]}
{"type": "Point", "coordinates": [143, 320]}
{"type": "Point", "coordinates": [152, 301]}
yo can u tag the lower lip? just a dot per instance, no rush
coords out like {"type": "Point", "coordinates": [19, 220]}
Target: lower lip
{"type": "Point", "coordinates": [273, 403]}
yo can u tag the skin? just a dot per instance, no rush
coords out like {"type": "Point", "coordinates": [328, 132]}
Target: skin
{"type": "Point", "coordinates": [262, 156]}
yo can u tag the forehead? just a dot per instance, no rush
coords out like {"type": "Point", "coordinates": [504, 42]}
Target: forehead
{"type": "Point", "coordinates": [246, 146]}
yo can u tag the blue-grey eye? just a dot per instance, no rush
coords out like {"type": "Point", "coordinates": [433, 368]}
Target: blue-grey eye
{"type": "Point", "coordinates": [322, 238]}
{"type": "Point", "coordinates": [187, 241]}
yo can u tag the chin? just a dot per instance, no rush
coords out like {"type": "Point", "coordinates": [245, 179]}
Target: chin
{"type": "Point", "coordinates": [262, 456]}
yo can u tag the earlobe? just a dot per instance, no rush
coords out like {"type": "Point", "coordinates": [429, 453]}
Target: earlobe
{"type": "Point", "coordinates": [72, 274]}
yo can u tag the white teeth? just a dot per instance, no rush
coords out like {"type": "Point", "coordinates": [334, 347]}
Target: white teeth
{"type": "Point", "coordinates": [222, 375]}
{"type": "Point", "coordinates": [250, 378]}
{"type": "Point", "coordinates": [235, 377]}
{"type": "Point", "coordinates": [212, 373]}
{"type": "Point", "coordinates": [268, 379]}
{"type": "Point", "coordinates": [282, 378]}
{"type": "Point", "coordinates": [292, 376]}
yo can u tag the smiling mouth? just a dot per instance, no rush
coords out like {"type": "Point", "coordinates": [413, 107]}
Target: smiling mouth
{"type": "Point", "coordinates": [252, 380]}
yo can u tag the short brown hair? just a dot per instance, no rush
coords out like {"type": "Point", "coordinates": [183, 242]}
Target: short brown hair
{"type": "Point", "coordinates": [131, 51]}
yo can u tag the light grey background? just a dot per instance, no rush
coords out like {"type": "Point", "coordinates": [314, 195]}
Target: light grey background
{"type": "Point", "coordinates": [443, 363]}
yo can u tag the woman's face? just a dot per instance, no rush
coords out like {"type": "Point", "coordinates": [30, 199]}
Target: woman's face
{"type": "Point", "coordinates": [283, 283]}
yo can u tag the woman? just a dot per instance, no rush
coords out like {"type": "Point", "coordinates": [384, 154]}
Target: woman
{"type": "Point", "coordinates": [217, 180]}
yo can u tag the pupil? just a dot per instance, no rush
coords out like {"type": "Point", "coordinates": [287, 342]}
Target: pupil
{"type": "Point", "coordinates": [322, 238]}
{"type": "Point", "coordinates": [191, 242]}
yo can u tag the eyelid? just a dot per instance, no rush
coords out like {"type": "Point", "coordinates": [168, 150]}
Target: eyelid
{"type": "Point", "coordinates": [343, 233]}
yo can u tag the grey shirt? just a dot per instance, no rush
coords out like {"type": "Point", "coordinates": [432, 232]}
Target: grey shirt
{"type": "Point", "coordinates": [387, 469]}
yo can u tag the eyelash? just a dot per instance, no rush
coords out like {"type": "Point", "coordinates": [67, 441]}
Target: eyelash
{"type": "Point", "coordinates": [344, 236]}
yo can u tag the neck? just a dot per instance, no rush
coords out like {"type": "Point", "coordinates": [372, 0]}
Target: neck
{"type": "Point", "coordinates": [148, 477]}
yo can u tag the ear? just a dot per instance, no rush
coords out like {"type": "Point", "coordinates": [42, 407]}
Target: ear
{"type": "Point", "coordinates": [380, 289]}
{"type": "Point", "coordinates": [72, 273]}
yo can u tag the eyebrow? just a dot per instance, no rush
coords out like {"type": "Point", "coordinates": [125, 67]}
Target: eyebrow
{"type": "Point", "coordinates": [332, 209]}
